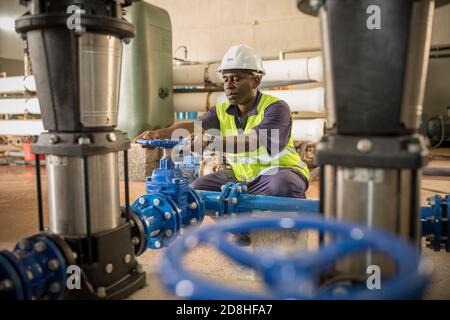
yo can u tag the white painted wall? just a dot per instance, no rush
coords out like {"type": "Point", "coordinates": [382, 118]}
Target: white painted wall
{"type": "Point", "coordinates": [209, 27]}
{"type": "Point", "coordinates": [441, 25]}
{"type": "Point", "coordinates": [11, 46]}
{"type": "Point", "coordinates": [437, 90]}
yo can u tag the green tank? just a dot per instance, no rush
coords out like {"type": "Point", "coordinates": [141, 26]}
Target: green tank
{"type": "Point", "coordinates": [146, 97]}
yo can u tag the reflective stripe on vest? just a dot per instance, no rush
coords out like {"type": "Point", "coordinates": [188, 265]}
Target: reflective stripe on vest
{"type": "Point", "coordinates": [249, 165]}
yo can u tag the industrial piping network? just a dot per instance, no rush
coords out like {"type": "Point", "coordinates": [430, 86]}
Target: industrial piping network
{"type": "Point", "coordinates": [170, 204]}
{"type": "Point", "coordinates": [101, 239]}
{"type": "Point", "coordinates": [37, 266]}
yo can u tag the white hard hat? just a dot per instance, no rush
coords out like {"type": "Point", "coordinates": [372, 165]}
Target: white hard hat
{"type": "Point", "coordinates": [241, 57]}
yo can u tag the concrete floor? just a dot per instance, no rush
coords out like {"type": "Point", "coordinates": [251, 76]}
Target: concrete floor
{"type": "Point", "coordinates": [18, 218]}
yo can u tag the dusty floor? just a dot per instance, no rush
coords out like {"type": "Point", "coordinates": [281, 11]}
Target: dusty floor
{"type": "Point", "coordinates": [18, 218]}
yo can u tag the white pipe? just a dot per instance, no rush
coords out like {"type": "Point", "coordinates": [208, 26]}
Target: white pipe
{"type": "Point", "coordinates": [310, 130]}
{"type": "Point", "coordinates": [17, 84]}
{"type": "Point", "coordinates": [293, 69]}
{"type": "Point", "coordinates": [302, 100]}
{"type": "Point", "coordinates": [196, 101]}
{"type": "Point", "coordinates": [303, 130]}
{"type": "Point", "coordinates": [19, 106]}
{"type": "Point", "coordinates": [21, 127]}
{"type": "Point", "coordinates": [276, 70]}
{"type": "Point", "coordinates": [195, 74]}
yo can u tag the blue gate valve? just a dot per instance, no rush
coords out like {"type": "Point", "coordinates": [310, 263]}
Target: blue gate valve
{"type": "Point", "coordinates": [169, 204]}
{"type": "Point", "coordinates": [295, 277]}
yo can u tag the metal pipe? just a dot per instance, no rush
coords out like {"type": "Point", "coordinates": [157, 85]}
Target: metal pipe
{"type": "Point", "coordinates": [429, 171]}
{"type": "Point", "coordinates": [19, 106]}
{"type": "Point", "coordinates": [255, 202]}
{"type": "Point", "coordinates": [127, 189]}
{"type": "Point", "coordinates": [440, 51]}
{"type": "Point", "coordinates": [299, 100]}
{"type": "Point", "coordinates": [282, 53]}
{"type": "Point", "coordinates": [87, 207]}
{"type": "Point", "coordinates": [17, 84]}
{"type": "Point", "coordinates": [39, 193]}
{"type": "Point", "coordinates": [214, 202]}
{"type": "Point", "coordinates": [248, 202]}
{"type": "Point", "coordinates": [18, 154]}
{"type": "Point", "coordinates": [276, 70]}
{"type": "Point", "coordinates": [21, 127]}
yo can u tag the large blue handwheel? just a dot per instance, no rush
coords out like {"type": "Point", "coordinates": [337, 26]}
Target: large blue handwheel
{"type": "Point", "coordinates": [161, 143]}
{"type": "Point", "coordinates": [297, 277]}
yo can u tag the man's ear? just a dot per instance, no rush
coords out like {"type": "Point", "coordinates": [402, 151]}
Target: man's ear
{"type": "Point", "coordinates": [257, 81]}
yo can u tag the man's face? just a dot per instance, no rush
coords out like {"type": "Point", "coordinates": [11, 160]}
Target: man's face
{"type": "Point", "coordinates": [239, 85]}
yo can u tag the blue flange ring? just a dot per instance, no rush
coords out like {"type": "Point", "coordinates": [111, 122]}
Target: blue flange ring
{"type": "Point", "coordinates": [161, 218]}
{"type": "Point", "coordinates": [195, 209]}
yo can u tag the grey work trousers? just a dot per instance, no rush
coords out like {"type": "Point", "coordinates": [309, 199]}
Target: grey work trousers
{"type": "Point", "coordinates": [285, 183]}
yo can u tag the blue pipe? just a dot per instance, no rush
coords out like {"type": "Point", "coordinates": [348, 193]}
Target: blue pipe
{"type": "Point", "coordinates": [249, 202]}
{"type": "Point", "coordinates": [434, 220]}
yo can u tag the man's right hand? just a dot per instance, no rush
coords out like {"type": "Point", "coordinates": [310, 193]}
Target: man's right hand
{"type": "Point", "coordinates": [151, 135]}
{"type": "Point", "coordinates": [148, 135]}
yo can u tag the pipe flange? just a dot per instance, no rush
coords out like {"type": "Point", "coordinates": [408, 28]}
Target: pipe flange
{"type": "Point", "coordinates": [234, 197]}
{"type": "Point", "coordinates": [35, 269]}
{"type": "Point", "coordinates": [137, 233]}
{"type": "Point", "coordinates": [195, 209]}
{"type": "Point", "coordinates": [161, 218]}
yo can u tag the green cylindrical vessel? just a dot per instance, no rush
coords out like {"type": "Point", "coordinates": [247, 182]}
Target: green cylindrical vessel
{"type": "Point", "coordinates": [146, 97]}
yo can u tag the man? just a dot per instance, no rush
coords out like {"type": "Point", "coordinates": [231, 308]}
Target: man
{"type": "Point", "coordinates": [255, 126]}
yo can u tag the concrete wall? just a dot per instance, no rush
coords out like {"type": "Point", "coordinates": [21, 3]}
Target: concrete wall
{"type": "Point", "coordinates": [209, 27]}
{"type": "Point", "coordinates": [437, 92]}
{"type": "Point", "coordinates": [11, 67]}
{"type": "Point", "coordinates": [11, 46]}
{"type": "Point", "coordinates": [441, 25]}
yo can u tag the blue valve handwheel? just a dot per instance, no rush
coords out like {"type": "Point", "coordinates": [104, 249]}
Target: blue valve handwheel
{"type": "Point", "coordinates": [409, 281]}
{"type": "Point", "coordinates": [161, 143]}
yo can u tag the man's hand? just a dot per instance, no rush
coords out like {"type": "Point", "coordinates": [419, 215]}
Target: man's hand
{"type": "Point", "coordinates": [149, 135]}
{"type": "Point", "coordinates": [197, 141]}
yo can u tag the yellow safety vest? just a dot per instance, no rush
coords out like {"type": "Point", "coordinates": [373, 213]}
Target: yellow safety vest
{"type": "Point", "coordinates": [248, 165]}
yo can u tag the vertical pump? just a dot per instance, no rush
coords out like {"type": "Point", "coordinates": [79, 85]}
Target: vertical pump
{"type": "Point", "coordinates": [375, 78]}
{"type": "Point", "coordinates": [76, 50]}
